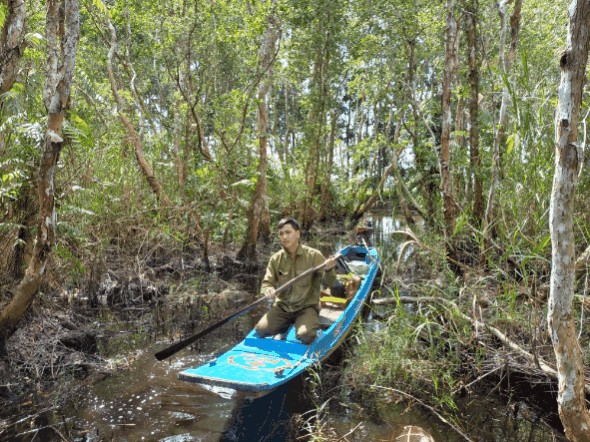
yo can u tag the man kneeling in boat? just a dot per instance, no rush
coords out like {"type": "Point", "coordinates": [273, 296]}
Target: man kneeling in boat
{"type": "Point", "coordinates": [300, 303]}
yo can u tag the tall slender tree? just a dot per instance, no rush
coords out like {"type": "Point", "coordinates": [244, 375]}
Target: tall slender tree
{"type": "Point", "coordinates": [322, 37]}
{"type": "Point", "coordinates": [506, 61]}
{"type": "Point", "coordinates": [62, 32]}
{"type": "Point", "coordinates": [451, 43]}
{"type": "Point", "coordinates": [258, 213]}
{"type": "Point", "coordinates": [144, 166]}
{"type": "Point", "coordinates": [568, 160]}
{"type": "Point", "coordinates": [476, 172]}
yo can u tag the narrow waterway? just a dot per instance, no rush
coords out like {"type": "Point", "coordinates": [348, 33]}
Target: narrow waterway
{"type": "Point", "coordinates": [149, 403]}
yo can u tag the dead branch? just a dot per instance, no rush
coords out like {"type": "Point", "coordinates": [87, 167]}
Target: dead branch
{"type": "Point", "coordinates": [480, 325]}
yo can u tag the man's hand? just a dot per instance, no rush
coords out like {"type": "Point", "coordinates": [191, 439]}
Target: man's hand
{"type": "Point", "coordinates": [269, 293]}
{"type": "Point", "coordinates": [329, 264]}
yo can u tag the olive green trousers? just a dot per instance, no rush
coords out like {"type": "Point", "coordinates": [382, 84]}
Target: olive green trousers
{"type": "Point", "coordinates": [277, 320]}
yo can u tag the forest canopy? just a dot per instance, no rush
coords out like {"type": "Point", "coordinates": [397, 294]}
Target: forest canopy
{"type": "Point", "coordinates": [351, 86]}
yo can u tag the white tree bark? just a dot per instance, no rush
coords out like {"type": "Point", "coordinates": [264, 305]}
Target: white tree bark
{"type": "Point", "coordinates": [500, 136]}
{"type": "Point", "coordinates": [560, 316]}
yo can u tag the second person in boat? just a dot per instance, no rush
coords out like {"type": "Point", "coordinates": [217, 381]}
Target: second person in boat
{"type": "Point", "coordinates": [298, 304]}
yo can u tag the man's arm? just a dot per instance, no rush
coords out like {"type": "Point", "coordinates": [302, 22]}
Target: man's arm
{"type": "Point", "coordinates": [270, 281]}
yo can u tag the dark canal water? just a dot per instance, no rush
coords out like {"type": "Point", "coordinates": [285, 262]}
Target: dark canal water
{"type": "Point", "coordinates": [149, 403]}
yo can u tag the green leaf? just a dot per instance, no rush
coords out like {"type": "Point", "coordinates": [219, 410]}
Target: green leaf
{"type": "Point", "coordinates": [3, 14]}
{"type": "Point", "coordinates": [100, 5]}
{"type": "Point", "coordinates": [546, 240]}
{"type": "Point", "coordinates": [509, 143]}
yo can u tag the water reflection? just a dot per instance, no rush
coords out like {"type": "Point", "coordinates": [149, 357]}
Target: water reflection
{"type": "Point", "coordinates": [150, 403]}
{"type": "Point", "coordinates": [383, 226]}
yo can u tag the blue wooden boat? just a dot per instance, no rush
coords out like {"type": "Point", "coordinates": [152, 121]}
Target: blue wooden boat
{"type": "Point", "coordinates": [259, 365]}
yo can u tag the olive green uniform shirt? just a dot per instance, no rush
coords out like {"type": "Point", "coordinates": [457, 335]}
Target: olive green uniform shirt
{"type": "Point", "coordinates": [304, 293]}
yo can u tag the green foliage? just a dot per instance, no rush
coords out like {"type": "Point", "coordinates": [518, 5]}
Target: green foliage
{"type": "Point", "coordinates": [64, 254]}
{"type": "Point", "coordinates": [3, 14]}
{"type": "Point", "coordinates": [12, 180]}
{"type": "Point", "coordinates": [372, 67]}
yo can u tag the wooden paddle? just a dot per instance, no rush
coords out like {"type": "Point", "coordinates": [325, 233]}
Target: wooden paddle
{"type": "Point", "coordinates": [167, 352]}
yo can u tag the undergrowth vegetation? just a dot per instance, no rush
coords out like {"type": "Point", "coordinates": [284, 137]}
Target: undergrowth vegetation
{"type": "Point", "coordinates": [436, 338]}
